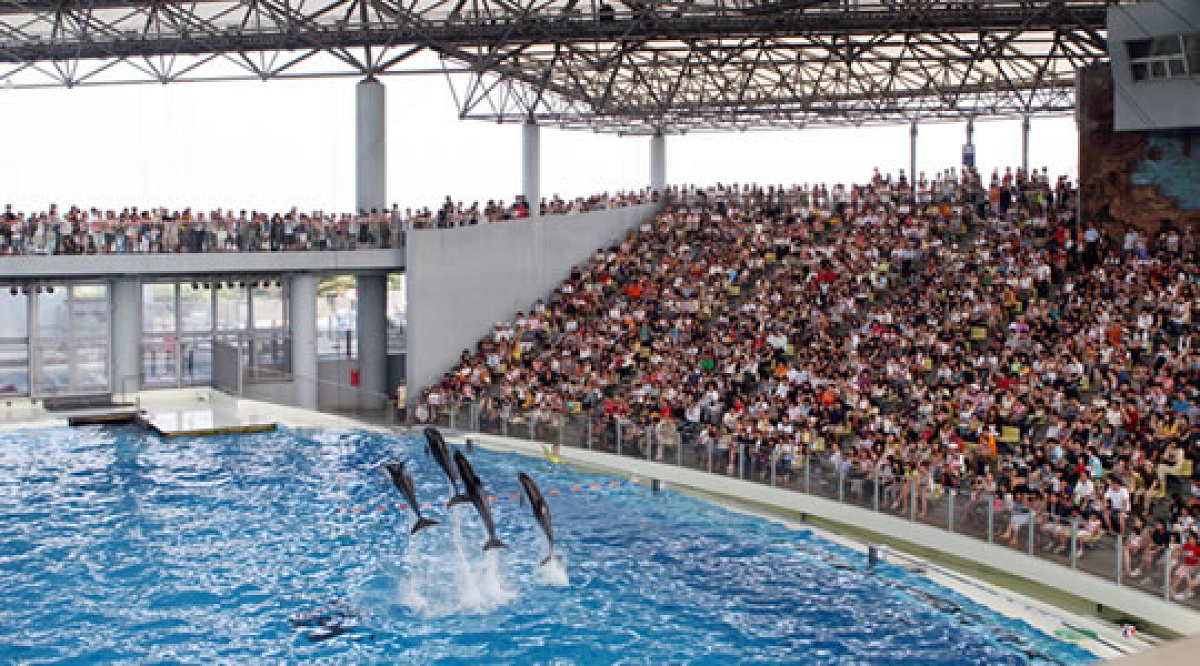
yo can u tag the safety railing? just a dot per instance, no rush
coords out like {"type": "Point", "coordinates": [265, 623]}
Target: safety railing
{"type": "Point", "coordinates": [1134, 560]}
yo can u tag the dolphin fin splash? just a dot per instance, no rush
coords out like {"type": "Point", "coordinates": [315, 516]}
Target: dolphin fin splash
{"type": "Point", "coordinates": [494, 543]}
{"type": "Point", "coordinates": [458, 499]}
{"type": "Point", "coordinates": [422, 523]}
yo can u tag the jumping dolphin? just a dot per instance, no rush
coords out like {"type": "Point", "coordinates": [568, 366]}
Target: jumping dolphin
{"type": "Point", "coordinates": [441, 453]}
{"type": "Point", "coordinates": [474, 488]}
{"type": "Point", "coordinates": [404, 483]}
{"type": "Point", "coordinates": [540, 510]}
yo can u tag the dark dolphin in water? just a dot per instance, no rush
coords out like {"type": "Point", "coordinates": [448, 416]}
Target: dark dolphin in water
{"type": "Point", "coordinates": [336, 619]}
{"type": "Point", "coordinates": [404, 483]}
{"type": "Point", "coordinates": [474, 488]}
{"type": "Point", "coordinates": [441, 453]}
{"type": "Point", "coordinates": [541, 510]}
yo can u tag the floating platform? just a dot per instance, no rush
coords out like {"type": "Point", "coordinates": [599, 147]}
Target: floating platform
{"type": "Point", "coordinates": [203, 422]}
{"type": "Point", "coordinates": [103, 417]}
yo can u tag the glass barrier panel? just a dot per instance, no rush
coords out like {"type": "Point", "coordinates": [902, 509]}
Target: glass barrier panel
{"type": "Point", "coordinates": [859, 485]}
{"type": "Point", "coordinates": [1096, 552]}
{"type": "Point", "coordinates": [933, 504]}
{"type": "Point", "coordinates": [575, 431]}
{"type": "Point", "coordinates": [604, 434]}
{"type": "Point", "coordinates": [823, 476]}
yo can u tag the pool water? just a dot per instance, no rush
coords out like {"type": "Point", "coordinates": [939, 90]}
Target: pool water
{"type": "Point", "coordinates": [120, 546]}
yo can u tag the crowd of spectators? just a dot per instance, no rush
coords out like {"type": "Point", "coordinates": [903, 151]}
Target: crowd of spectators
{"type": "Point", "coordinates": [158, 230]}
{"type": "Point", "coordinates": [962, 335]}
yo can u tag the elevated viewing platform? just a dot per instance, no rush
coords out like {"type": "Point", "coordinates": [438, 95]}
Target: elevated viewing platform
{"type": "Point", "coordinates": [200, 263]}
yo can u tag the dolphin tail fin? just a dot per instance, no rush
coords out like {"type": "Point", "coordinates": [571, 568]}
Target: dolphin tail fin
{"type": "Point", "coordinates": [422, 523]}
{"type": "Point", "coordinates": [458, 499]}
{"type": "Point", "coordinates": [548, 558]}
{"type": "Point", "coordinates": [494, 543]}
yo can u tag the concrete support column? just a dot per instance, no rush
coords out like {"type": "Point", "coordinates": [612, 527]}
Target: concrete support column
{"type": "Point", "coordinates": [302, 311]}
{"type": "Point", "coordinates": [370, 146]}
{"type": "Point", "coordinates": [1025, 145]}
{"type": "Point", "coordinates": [531, 167]}
{"type": "Point", "coordinates": [372, 337]}
{"type": "Point", "coordinates": [126, 295]}
{"type": "Point", "coordinates": [912, 154]}
{"type": "Point", "coordinates": [658, 162]}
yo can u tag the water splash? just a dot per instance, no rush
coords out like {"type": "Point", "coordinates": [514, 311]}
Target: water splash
{"type": "Point", "coordinates": [492, 581]}
{"type": "Point", "coordinates": [554, 572]}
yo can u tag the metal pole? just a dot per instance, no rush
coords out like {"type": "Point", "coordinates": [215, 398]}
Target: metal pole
{"type": "Point", "coordinates": [532, 426]}
{"type": "Point", "coordinates": [950, 524]}
{"type": "Point", "coordinates": [1120, 555]}
{"type": "Point", "coordinates": [475, 416]}
{"type": "Point", "coordinates": [991, 502]}
{"type": "Point", "coordinates": [504, 426]}
{"type": "Point", "coordinates": [562, 429]}
{"type": "Point", "coordinates": [774, 464]}
{"type": "Point", "coordinates": [1032, 530]}
{"type": "Point", "coordinates": [617, 426]}
{"type": "Point", "coordinates": [875, 489]}
{"type": "Point", "coordinates": [678, 448]}
{"type": "Point", "coordinates": [589, 432]}
{"type": "Point", "coordinates": [912, 497]}
{"type": "Point", "coordinates": [648, 438]}
{"type": "Point", "coordinates": [1025, 145]}
{"type": "Point", "coordinates": [710, 456]}
{"type": "Point", "coordinates": [841, 475]}
{"type": "Point", "coordinates": [453, 414]}
{"type": "Point", "coordinates": [912, 154]}
{"type": "Point", "coordinates": [741, 460]}
{"type": "Point", "coordinates": [1074, 540]}
{"type": "Point", "coordinates": [807, 472]}
{"type": "Point", "coordinates": [1167, 556]}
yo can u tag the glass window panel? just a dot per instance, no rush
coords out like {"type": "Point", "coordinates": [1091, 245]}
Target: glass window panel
{"type": "Point", "coordinates": [233, 308]}
{"type": "Point", "coordinates": [1192, 47]}
{"type": "Point", "coordinates": [90, 292]}
{"type": "Point", "coordinates": [397, 305]}
{"type": "Point", "coordinates": [53, 314]}
{"type": "Point", "coordinates": [1138, 48]}
{"type": "Point", "coordinates": [158, 308]}
{"type": "Point", "coordinates": [196, 308]}
{"type": "Point", "coordinates": [337, 314]}
{"type": "Point", "coordinates": [196, 360]}
{"type": "Point", "coordinates": [1158, 69]}
{"type": "Point", "coordinates": [1140, 71]}
{"type": "Point", "coordinates": [158, 362]}
{"type": "Point", "coordinates": [14, 369]}
{"type": "Point", "coordinates": [91, 366]}
{"type": "Point", "coordinates": [268, 309]}
{"type": "Point", "coordinates": [1166, 46]}
{"type": "Point", "coordinates": [54, 368]}
{"type": "Point", "coordinates": [14, 315]}
{"type": "Point", "coordinates": [1176, 67]}
{"type": "Point", "coordinates": [89, 317]}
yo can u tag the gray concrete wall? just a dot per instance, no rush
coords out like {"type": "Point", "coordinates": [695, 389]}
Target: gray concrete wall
{"type": "Point", "coordinates": [1152, 105]}
{"type": "Point", "coordinates": [334, 391]}
{"type": "Point", "coordinates": [462, 281]}
{"type": "Point", "coordinates": [280, 393]}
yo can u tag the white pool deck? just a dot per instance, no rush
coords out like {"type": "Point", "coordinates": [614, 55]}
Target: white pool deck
{"type": "Point", "coordinates": [205, 409]}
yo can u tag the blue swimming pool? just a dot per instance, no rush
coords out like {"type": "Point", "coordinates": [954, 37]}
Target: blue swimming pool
{"type": "Point", "coordinates": [119, 546]}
